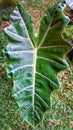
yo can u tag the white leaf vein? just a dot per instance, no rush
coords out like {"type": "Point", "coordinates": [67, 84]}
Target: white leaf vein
{"type": "Point", "coordinates": [24, 89]}
{"type": "Point", "coordinates": [46, 78]}
{"type": "Point", "coordinates": [56, 46]}
{"type": "Point", "coordinates": [27, 109]}
{"type": "Point", "coordinates": [20, 51]}
{"type": "Point", "coordinates": [47, 59]}
{"type": "Point", "coordinates": [41, 99]}
{"type": "Point", "coordinates": [21, 67]}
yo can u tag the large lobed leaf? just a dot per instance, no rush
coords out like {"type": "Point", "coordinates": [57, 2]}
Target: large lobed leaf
{"type": "Point", "coordinates": [34, 66]}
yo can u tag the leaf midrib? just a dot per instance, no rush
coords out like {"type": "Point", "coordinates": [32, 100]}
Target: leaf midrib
{"type": "Point", "coordinates": [35, 58]}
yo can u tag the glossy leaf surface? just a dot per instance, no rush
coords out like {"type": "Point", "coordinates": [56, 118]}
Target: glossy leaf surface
{"type": "Point", "coordinates": [34, 66]}
{"type": "Point", "coordinates": [70, 3]}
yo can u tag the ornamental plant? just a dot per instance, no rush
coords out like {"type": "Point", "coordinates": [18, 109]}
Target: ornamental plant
{"type": "Point", "coordinates": [34, 62]}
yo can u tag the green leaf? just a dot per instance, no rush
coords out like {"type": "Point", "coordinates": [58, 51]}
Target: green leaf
{"type": "Point", "coordinates": [34, 66]}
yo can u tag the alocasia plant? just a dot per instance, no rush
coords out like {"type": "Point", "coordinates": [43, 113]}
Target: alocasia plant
{"type": "Point", "coordinates": [34, 64]}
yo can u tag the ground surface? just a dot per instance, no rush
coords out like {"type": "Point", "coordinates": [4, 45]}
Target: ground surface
{"type": "Point", "coordinates": [61, 115]}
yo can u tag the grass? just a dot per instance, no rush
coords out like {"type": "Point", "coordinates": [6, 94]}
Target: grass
{"type": "Point", "coordinates": [61, 115]}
